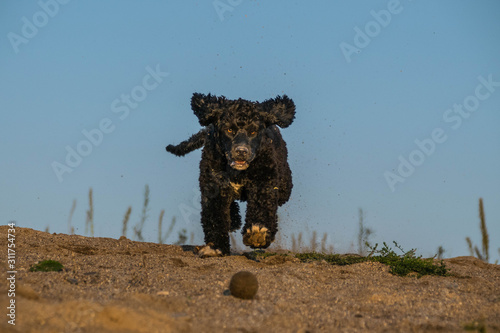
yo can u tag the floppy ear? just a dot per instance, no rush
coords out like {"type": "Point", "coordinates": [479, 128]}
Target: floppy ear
{"type": "Point", "coordinates": [279, 111]}
{"type": "Point", "coordinates": [206, 107]}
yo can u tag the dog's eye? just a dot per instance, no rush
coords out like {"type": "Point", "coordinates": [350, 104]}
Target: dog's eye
{"type": "Point", "coordinates": [253, 133]}
{"type": "Point", "coordinates": [229, 130]}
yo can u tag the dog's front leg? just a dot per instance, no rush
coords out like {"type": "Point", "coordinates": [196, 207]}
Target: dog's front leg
{"type": "Point", "coordinates": [215, 215]}
{"type": "Point", "coordinates": [261, 222]}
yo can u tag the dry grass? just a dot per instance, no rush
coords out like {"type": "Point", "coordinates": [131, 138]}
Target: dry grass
{"type": "Point", "coordinates": [89, 221]}
{"type": "Point", "coordinates": [144, 215]}
{"type": "Point", "coordinates": [138, 228]}
{"type": "Point", "coordinates": [299, 244]}
{"type": "Point", "coordinates": [71, 229]}
{"type": "Point", "coordinates": [482, 254]}
{"type": "Point", "coordinates": [364, 234]}
{"type": "Point", "coordinates": [163, 238]}
{"type": "Point", "coordinates": [125, 221]}
{"type": "Point", "coordinates": [484, 232]}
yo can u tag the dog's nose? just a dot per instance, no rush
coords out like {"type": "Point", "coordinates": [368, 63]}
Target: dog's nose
{"type": "Point", "coordinates": [241, 151]}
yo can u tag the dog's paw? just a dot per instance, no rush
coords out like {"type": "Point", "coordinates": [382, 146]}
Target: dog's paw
{"type": "Point", "coordinates": [207, 251]}
{"type": "Point", "coordinates": [257, 237]}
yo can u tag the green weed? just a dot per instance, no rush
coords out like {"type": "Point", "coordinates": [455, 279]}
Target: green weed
{"type": "Point", "coordinates": [407, 262]}
{"type": "Point", "coordinates": [47, 266]}
{"type": "Point", "coordinates": [261, 254]}
{"type": "Point", "coordinates": [476, 326]}
{"type": "Point", "coordinates": [400, 264]}
{"type": "Point", "coordinates": [334, 259]}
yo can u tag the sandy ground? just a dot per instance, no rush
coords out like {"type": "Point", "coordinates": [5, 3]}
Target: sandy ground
{"type": "Point", "coordinates": [111, 285]}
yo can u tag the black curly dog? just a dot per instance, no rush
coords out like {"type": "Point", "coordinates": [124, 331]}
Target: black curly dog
{"type": "Point", "coordinates": [244, 158]}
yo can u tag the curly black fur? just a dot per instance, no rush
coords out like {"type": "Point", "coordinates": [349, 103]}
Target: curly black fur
{"type": "Point", "coordinates": [244, 158]}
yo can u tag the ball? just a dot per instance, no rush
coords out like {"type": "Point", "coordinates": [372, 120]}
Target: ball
{"type": "Point", "coordinates": [244, 285]}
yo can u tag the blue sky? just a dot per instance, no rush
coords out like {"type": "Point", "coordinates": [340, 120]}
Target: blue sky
{"type": "Point", "coordinates": [369, 79]}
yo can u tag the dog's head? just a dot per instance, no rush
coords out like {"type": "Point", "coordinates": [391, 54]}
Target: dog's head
{"type": "Point", "coordinates": [240, 124]}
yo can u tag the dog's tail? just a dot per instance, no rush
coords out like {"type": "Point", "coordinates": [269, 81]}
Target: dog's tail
{"type": "Point", "coordinates": [194, 142]}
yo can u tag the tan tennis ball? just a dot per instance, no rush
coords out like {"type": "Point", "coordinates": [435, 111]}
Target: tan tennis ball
{"type": "Point", "coordinates": [244, 285]}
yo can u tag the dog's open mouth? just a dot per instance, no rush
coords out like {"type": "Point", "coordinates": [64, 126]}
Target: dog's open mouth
{"type": "Point", "coordinates": [239, 165]}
